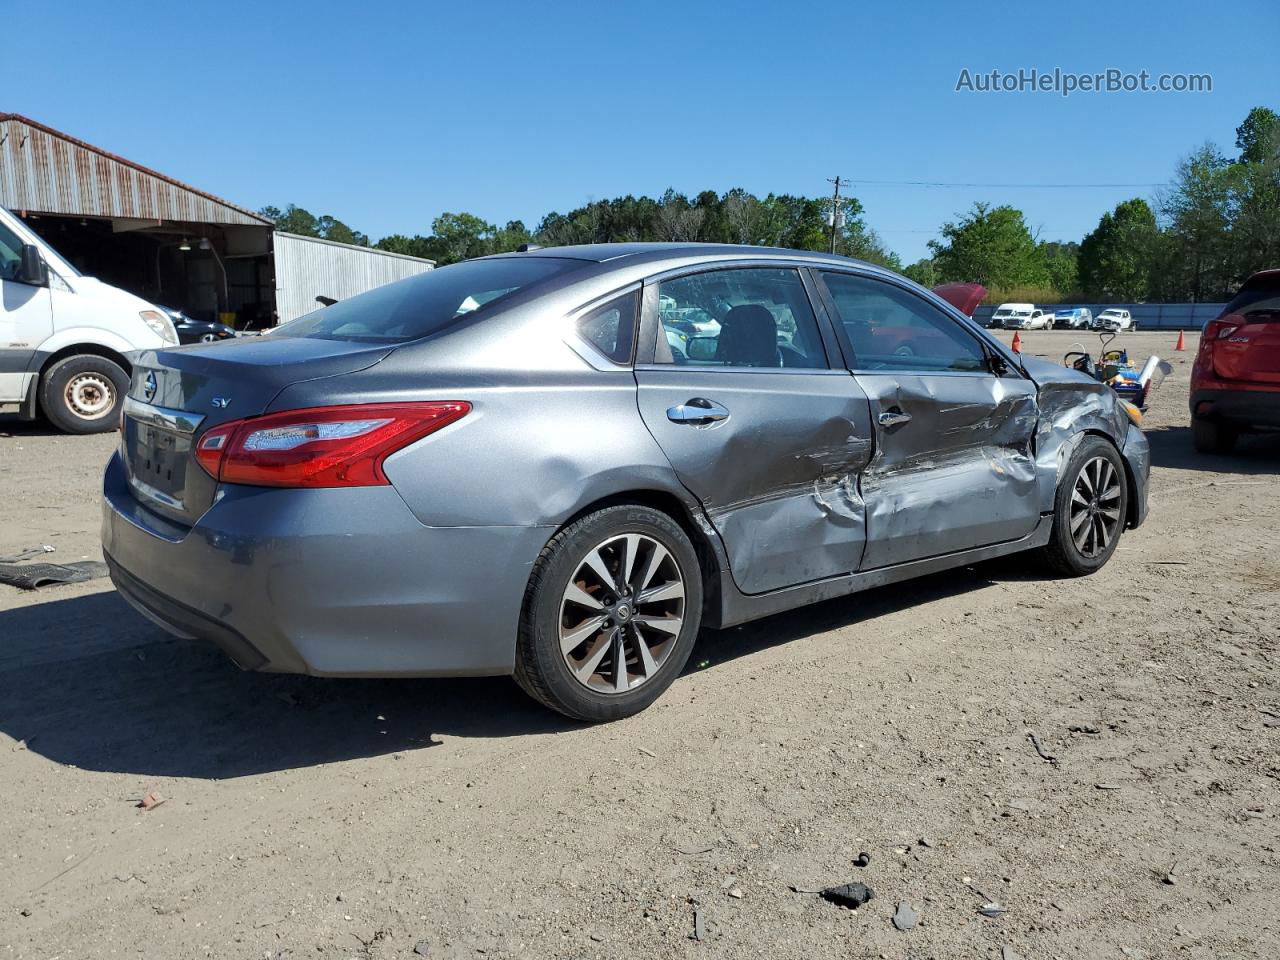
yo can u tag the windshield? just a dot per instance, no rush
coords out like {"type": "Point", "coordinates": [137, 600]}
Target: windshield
{"type": "Point", "coordinates": [425, 304]}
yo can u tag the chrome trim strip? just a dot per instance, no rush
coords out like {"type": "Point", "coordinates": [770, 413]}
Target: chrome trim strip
{"type": "Point", "coordinates": [179, 421]}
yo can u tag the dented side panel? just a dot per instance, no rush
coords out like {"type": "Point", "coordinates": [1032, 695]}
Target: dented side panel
{"type": "Point", "coordinates": [960, 473]}
{"type": "Point", "coordinates": [779, 479]}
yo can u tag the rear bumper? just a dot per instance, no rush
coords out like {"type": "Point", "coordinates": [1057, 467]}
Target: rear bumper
{"type": "Point", "coordinates": [1258, 407]}
{"type": "Point", "coordinates": [339, 582]}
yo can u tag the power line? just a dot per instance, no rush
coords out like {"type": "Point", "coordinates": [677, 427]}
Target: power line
{"type": "Point", "coordinates": [1008, 186]}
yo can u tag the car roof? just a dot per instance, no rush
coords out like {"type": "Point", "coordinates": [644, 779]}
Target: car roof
{"type": "Point", "coordinates": [624, 254]}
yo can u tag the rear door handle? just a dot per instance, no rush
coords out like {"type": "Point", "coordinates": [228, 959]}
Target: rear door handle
{"type": "Point", "coordinates": [697, 411]}
{"type": "Point", "coordinates": [893, 418]}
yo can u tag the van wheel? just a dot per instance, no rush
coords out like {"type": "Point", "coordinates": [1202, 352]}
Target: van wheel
{"type": "Point", "coordinates": [83, 394]}
{"type": "Point", "coordinates": [610, 614]}
{"type": "Point", "coordinates": [1090, 510]}
{"type": "Point", "coordinates": [1210, 436]}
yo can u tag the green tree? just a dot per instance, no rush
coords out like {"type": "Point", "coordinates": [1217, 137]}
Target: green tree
{"type": "Point", "coordinates": [923, 272]}
{"type": "Point", "coordinates": [1256, 136]}
{"type": "Point", "coordinates": [1117, 257]}
{"type": "Point", "coordinates": [1062, 261]}
{"type": "Point", "coordinates": [1195, 255]}
{"type": "Point", "coordinates": [991, 246]}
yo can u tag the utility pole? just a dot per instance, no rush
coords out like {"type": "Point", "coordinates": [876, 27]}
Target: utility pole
{"type": "Point", "coordinates": [837, 219]}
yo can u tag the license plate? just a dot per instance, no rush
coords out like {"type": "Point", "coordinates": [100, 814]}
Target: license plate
{"type": "Point", "coordinates": [158, 461]}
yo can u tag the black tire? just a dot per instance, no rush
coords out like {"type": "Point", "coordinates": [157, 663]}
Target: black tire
{"type": "Point", "coordinates": [1064, 554]}
{"type": "Point", "coordinates": [1211, 436]}
{"type": "Point", "coordinates": [83, 394]}
{"type": "Point", "coordinates": [544, 672]}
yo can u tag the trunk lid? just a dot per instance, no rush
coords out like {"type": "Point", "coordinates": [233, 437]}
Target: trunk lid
{"type": "Point", "coordinates": [1251, 351]}
{"type": "Point", "coordinates": [177, 394]}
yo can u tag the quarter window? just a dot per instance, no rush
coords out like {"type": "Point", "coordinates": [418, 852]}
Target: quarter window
{"type": "Point", "coordinates": [611, 328]}
{"type": "Point", "coordinates": [754, 317]}
{"type": "Point", "coordinates": [888, 328]}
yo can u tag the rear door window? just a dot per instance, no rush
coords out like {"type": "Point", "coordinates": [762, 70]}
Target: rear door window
{"type": "Point", "coordinates": [430, 302]}
{"type": "Point", "coordinates": [748, 317]}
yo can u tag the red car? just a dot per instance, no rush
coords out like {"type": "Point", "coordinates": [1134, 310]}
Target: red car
{"type": "Point", "coordinates": [1235, 382]}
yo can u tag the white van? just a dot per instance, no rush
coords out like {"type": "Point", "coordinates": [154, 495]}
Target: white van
{"type": "Point", "coordinates": [66, 341]}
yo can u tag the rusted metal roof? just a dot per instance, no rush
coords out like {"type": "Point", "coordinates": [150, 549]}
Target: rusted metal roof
{"type": "Point", "coordinates": [45, 171]}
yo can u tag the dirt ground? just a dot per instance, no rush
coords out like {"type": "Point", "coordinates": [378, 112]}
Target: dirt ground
{"type": "Point", "coordinates": [335, 819]}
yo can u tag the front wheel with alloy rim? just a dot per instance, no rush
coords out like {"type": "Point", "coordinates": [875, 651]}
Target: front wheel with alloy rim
{"type": "Point", "coordinates": [610, 614]}
{"type": "Point", "coordinates": [1090, 510]}
{"type": "Point", "coordinates": [83, 393]}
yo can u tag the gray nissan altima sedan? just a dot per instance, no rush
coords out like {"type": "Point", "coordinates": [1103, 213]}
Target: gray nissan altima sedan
{"type": "Point", "coordinates": [558, 464]}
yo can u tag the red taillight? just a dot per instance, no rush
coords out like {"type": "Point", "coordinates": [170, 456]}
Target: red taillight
{"type": "Point", "coordinates": [320, 446]}
{"type": "Point", "coordinates": [1214, 331]}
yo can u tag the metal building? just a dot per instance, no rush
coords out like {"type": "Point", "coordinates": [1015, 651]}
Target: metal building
{"type": "Point", "coordinates": [169, 242]}
{"type": "Point", "coordinates": [307, 267]}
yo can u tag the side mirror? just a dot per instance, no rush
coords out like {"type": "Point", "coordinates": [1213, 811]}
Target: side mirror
{"type": "Point", "coordinates": [31, 267]}
{"type": "Point", "coordinates": [326, 301]}
{"type": "Point", "coordinates": [701, 348]}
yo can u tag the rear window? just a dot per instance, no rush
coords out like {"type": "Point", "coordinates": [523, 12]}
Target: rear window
{"type": "Point", "coordinates": [1258, 300]}
{"type": "Point", "coordinates": [425, 304]}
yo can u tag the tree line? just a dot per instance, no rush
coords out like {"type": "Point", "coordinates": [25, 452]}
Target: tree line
{"type": "Point", "coordinates": [1216, 222]}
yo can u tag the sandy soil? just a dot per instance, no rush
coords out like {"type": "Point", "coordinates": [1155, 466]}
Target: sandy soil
{"type": "Point", "coordinates": [343, 819]}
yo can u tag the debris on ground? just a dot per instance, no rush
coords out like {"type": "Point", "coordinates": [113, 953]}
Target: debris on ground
{"type": "Point", "coordinates": [848, 895]}
{"type": "Point", "coordinates": [29, 576]}
{"type": "Point", "coordinates": [1084, 728]}
{"type": "Point", "coordinates": [696, 849]}
{"type": "Point", "coordinates": [1040, 749]}
{"type": "Point", "coordinates": [151, 800]}
{"type": "Point", "coordinates": [27, 553]}
{"type": "Point", "coordinates": [699, 925]}
{"type": "Point", "coordinates": [992, 909]}
{"type": "Point", "coordinates": [862, 860]}
{"type": "Point", "coordinates": [906, 916]}
{"type": "Point", "coordinates": [1007, 953]}
{"type": "Point", "coordinates": [422, 948]}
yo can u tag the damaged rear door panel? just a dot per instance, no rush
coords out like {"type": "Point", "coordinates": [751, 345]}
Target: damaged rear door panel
{"type": "Point", "coordinates": [954, 464]}
{"type": "Point", "coordinates": [776, 459]}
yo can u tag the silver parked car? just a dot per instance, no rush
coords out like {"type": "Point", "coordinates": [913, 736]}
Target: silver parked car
{"type": "Point", "coordinates": [512, 466]}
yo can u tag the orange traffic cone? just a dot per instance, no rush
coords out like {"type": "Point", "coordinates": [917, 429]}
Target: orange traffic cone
{"type": "Point", "coordinates": [1182, 341]}
{"type": "Point", "coordinates": [1017, 342]}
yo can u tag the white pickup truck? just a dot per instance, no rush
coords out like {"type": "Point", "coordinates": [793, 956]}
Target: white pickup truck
{"type": "Point", "coordinates": [66, 341]}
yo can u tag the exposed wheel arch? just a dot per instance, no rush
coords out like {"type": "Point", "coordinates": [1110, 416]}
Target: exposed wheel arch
{"type": "Point", "coordinates": [87, 349]}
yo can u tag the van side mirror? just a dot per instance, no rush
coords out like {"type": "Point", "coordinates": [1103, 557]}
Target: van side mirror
{"type": "Point", "coordinates": [31, 267]}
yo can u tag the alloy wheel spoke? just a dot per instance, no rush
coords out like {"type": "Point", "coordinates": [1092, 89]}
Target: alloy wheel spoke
{"type": "Point", "coordinates": [572, 640]}
{"type": "Point", "coordinates": [595, 562]}
{"type": "Point", "coordinates": [669, 625]}
{"type": "Point", "coordinates": [596, 654]}
{"type": "Point", "coordinates": [579, 596]}
{"type": "Point", "coordinates": [655, 561]}
{"type": "Point", "coordinates": [1078, 520]}
{"type": "Point", "coordinates": [667, 591]}
{"type": "Point", "coordinates": [630, 547]}
{"type": "Point", "coordinates": [620, 679]}
{"type": "Point", "coordinates": [1104, 532]}
{"type": "Point", "coordinates": [646, 655]}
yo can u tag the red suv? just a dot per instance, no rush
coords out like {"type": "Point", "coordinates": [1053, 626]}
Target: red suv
{"type": "Point", "coordinates": [1235, 382]}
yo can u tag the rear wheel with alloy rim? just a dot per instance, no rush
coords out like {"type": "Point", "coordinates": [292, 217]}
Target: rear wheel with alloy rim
{"type": "Point", "coordinates": [1091, 509]}
{"type": "Point", "coordinates": [611, 613]}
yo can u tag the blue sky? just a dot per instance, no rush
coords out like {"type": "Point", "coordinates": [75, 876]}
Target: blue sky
{"type": "Point", "coordinates": [385, 115]}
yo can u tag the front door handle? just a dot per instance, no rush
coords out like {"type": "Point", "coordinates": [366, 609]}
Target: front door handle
{"type": "Point", "coordinates": [698, 411]}
{"type": "Point", "coordinates": [893, 418]}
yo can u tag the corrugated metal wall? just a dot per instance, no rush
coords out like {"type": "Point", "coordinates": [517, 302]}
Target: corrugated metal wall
{"type": "Point", "coordinates": [307, 268]}
{"type": "Point", "coordinates": [45, 171]}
